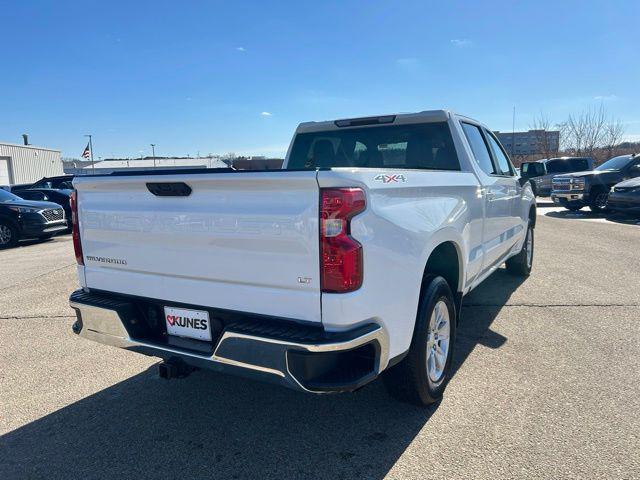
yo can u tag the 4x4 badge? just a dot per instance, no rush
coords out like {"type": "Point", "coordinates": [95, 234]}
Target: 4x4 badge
{"type": "Point", "coordinates": [384, 178]}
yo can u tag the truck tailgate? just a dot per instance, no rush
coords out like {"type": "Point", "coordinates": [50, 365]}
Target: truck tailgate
{"type": "Point", "coordinates": [244, 241]}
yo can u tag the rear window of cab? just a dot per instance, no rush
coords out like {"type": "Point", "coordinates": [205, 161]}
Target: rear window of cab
{"type": "Point", "coordinates": [427, 146]}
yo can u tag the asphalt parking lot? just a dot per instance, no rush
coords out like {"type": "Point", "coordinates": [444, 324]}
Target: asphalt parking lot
{"type": "Point", "coordinates": [546, 385]}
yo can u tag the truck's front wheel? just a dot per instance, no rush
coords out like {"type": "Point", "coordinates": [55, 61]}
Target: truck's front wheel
{"type": "Point", "coordinates": [424, 373]}
{"type": "Point", "coordinates": [598, 202]}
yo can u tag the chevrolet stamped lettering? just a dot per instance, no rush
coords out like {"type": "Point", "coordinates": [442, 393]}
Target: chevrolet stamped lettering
{"type": "Point", "coordinates": [115, 261]}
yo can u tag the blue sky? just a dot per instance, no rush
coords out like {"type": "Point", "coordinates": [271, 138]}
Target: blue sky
{"type": "Point", "coordinates": [215, 77]}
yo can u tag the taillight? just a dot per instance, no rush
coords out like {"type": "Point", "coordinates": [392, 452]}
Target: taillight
{"type": "Point", "coordinates": [341, 255]}
{"type": "Point", "coordinates": [77, 244]}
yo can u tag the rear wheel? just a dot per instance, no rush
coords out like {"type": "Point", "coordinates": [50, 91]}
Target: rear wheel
{"type": "Point", "coordinates": [8, 235]}
{"type": "Point", "coordinates": [521, 263]}
{"type": "Point", "coordinates": [423, 375]}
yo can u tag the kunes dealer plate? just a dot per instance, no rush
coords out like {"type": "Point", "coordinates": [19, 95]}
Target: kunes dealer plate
{"type": "Point", "coordinates": [188, 323]}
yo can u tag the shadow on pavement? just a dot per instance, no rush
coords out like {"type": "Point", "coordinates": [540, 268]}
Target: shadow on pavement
{"type": "Point", "coordinates": [39, 241]}
{"type": "Point", "coordinates": [214, 426]}
{"type": "Point", "coordinates": [587, 214]}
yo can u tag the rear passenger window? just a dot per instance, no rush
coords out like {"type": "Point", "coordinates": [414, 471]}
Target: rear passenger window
{"type": "Point", "coordinates": [498, 154]}
{"type": "Point", "coordinates": [579, 164]}
{"type": "Point", "coordinates": [479, 148]}
{"type": "Point", "coordinates": [556, 166]}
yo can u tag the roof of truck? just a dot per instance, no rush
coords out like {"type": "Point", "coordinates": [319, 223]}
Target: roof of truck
{"type": "Point", "coordinates": [395, 118]}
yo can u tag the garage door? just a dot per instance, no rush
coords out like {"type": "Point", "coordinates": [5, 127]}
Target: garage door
{"type": "Point", "coordinates": [4, 171]}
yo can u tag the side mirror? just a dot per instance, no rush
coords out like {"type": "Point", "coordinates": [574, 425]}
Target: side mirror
{"type": "Point", "coordinates": [532, 169]}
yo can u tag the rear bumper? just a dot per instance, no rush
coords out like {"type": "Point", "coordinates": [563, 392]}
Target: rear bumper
{"type": "Point", "coordinates": [295, 356]}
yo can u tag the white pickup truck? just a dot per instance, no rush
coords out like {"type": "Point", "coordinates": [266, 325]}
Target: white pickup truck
{"type": "Point", "coordinates": [351, 260]}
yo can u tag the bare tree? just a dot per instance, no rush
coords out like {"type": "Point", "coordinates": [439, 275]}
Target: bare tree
{"type": "Point", "coordinates": [591, 131]}
{"type": "Point", "coordinates": [613, 133]}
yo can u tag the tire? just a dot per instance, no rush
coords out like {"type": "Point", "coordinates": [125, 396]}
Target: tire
{"type": "Point", "coordinates": [8, 235]}
{"type": "Point", "coordinates": [521, 263]}
{"type": "Point", "coordinates": [419, 378]}
{"type": "Point", "coordinates": [598, 204]}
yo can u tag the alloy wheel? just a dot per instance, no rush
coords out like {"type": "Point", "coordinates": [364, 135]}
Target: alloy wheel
{"type": "Point", "coordinates": [601, 200]}
{"type": "Point", "coordinates": [5, 235]}
{"type": "Point", "coordinates": [438, 341]}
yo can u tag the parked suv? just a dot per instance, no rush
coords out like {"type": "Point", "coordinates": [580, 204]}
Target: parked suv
{"type": "Point", "coordinates": [577, 190]}
{"type": "Point", "coordinates": [21, 218]}
{"type": "Point", "coordinates": [62, 197]}
{"type": "Point", "coordinates": [541, 172]}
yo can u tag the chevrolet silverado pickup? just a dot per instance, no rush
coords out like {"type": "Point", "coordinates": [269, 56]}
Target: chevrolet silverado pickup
{"type": "Point", "coordinates": [349, 262]}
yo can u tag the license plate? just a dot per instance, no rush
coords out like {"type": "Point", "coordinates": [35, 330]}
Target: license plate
{"type": "Point", "coordinates": [188, 323]}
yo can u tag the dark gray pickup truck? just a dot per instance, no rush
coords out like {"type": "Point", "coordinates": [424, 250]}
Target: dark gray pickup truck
{"type": "Point", "coordinates": [541, 172]}
{"type": "Point", "coordinates": [576, 190]}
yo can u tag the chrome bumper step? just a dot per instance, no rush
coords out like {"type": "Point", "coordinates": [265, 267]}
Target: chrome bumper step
{"type": "Point", "coordinates": [297, 356]}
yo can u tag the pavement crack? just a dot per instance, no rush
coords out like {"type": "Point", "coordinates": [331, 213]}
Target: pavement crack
{"type": "Point", "coordinates": [28, 317]}
{"type": "Point", "coordinates": [36, 277]}
{"type": "Point", "coordinates": [550, 305]}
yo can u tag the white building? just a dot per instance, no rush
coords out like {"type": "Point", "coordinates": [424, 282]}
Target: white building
{"type": "Point", "coordinates": [26, 163]}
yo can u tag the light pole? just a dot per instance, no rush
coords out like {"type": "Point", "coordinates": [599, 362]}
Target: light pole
{"type": "Point", "coordinates": [153, 149]}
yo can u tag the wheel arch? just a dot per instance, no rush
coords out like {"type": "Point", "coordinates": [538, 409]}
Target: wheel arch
{"type": "Point", "coordinates": [445, 260]}
{"type": "Point", "coordinates": [533, 215]}
{"type": "Point", "coordinates": [11, 221]}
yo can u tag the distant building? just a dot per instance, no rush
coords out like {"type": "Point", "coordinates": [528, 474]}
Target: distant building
{"type": "Point", "coordinates": [27, 163]}
{"type": "Point", "coordinates": [533, 142]}
{"type": "Point", "coordinates": [119, 165]}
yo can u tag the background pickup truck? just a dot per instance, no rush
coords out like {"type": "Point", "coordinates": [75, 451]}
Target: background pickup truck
{"type": "Point", "coordinates": [541, 172]}
{"type": "Point", "coordinates": [577, 190]}
{"type": "Point", "coordinates": [350, 261]}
